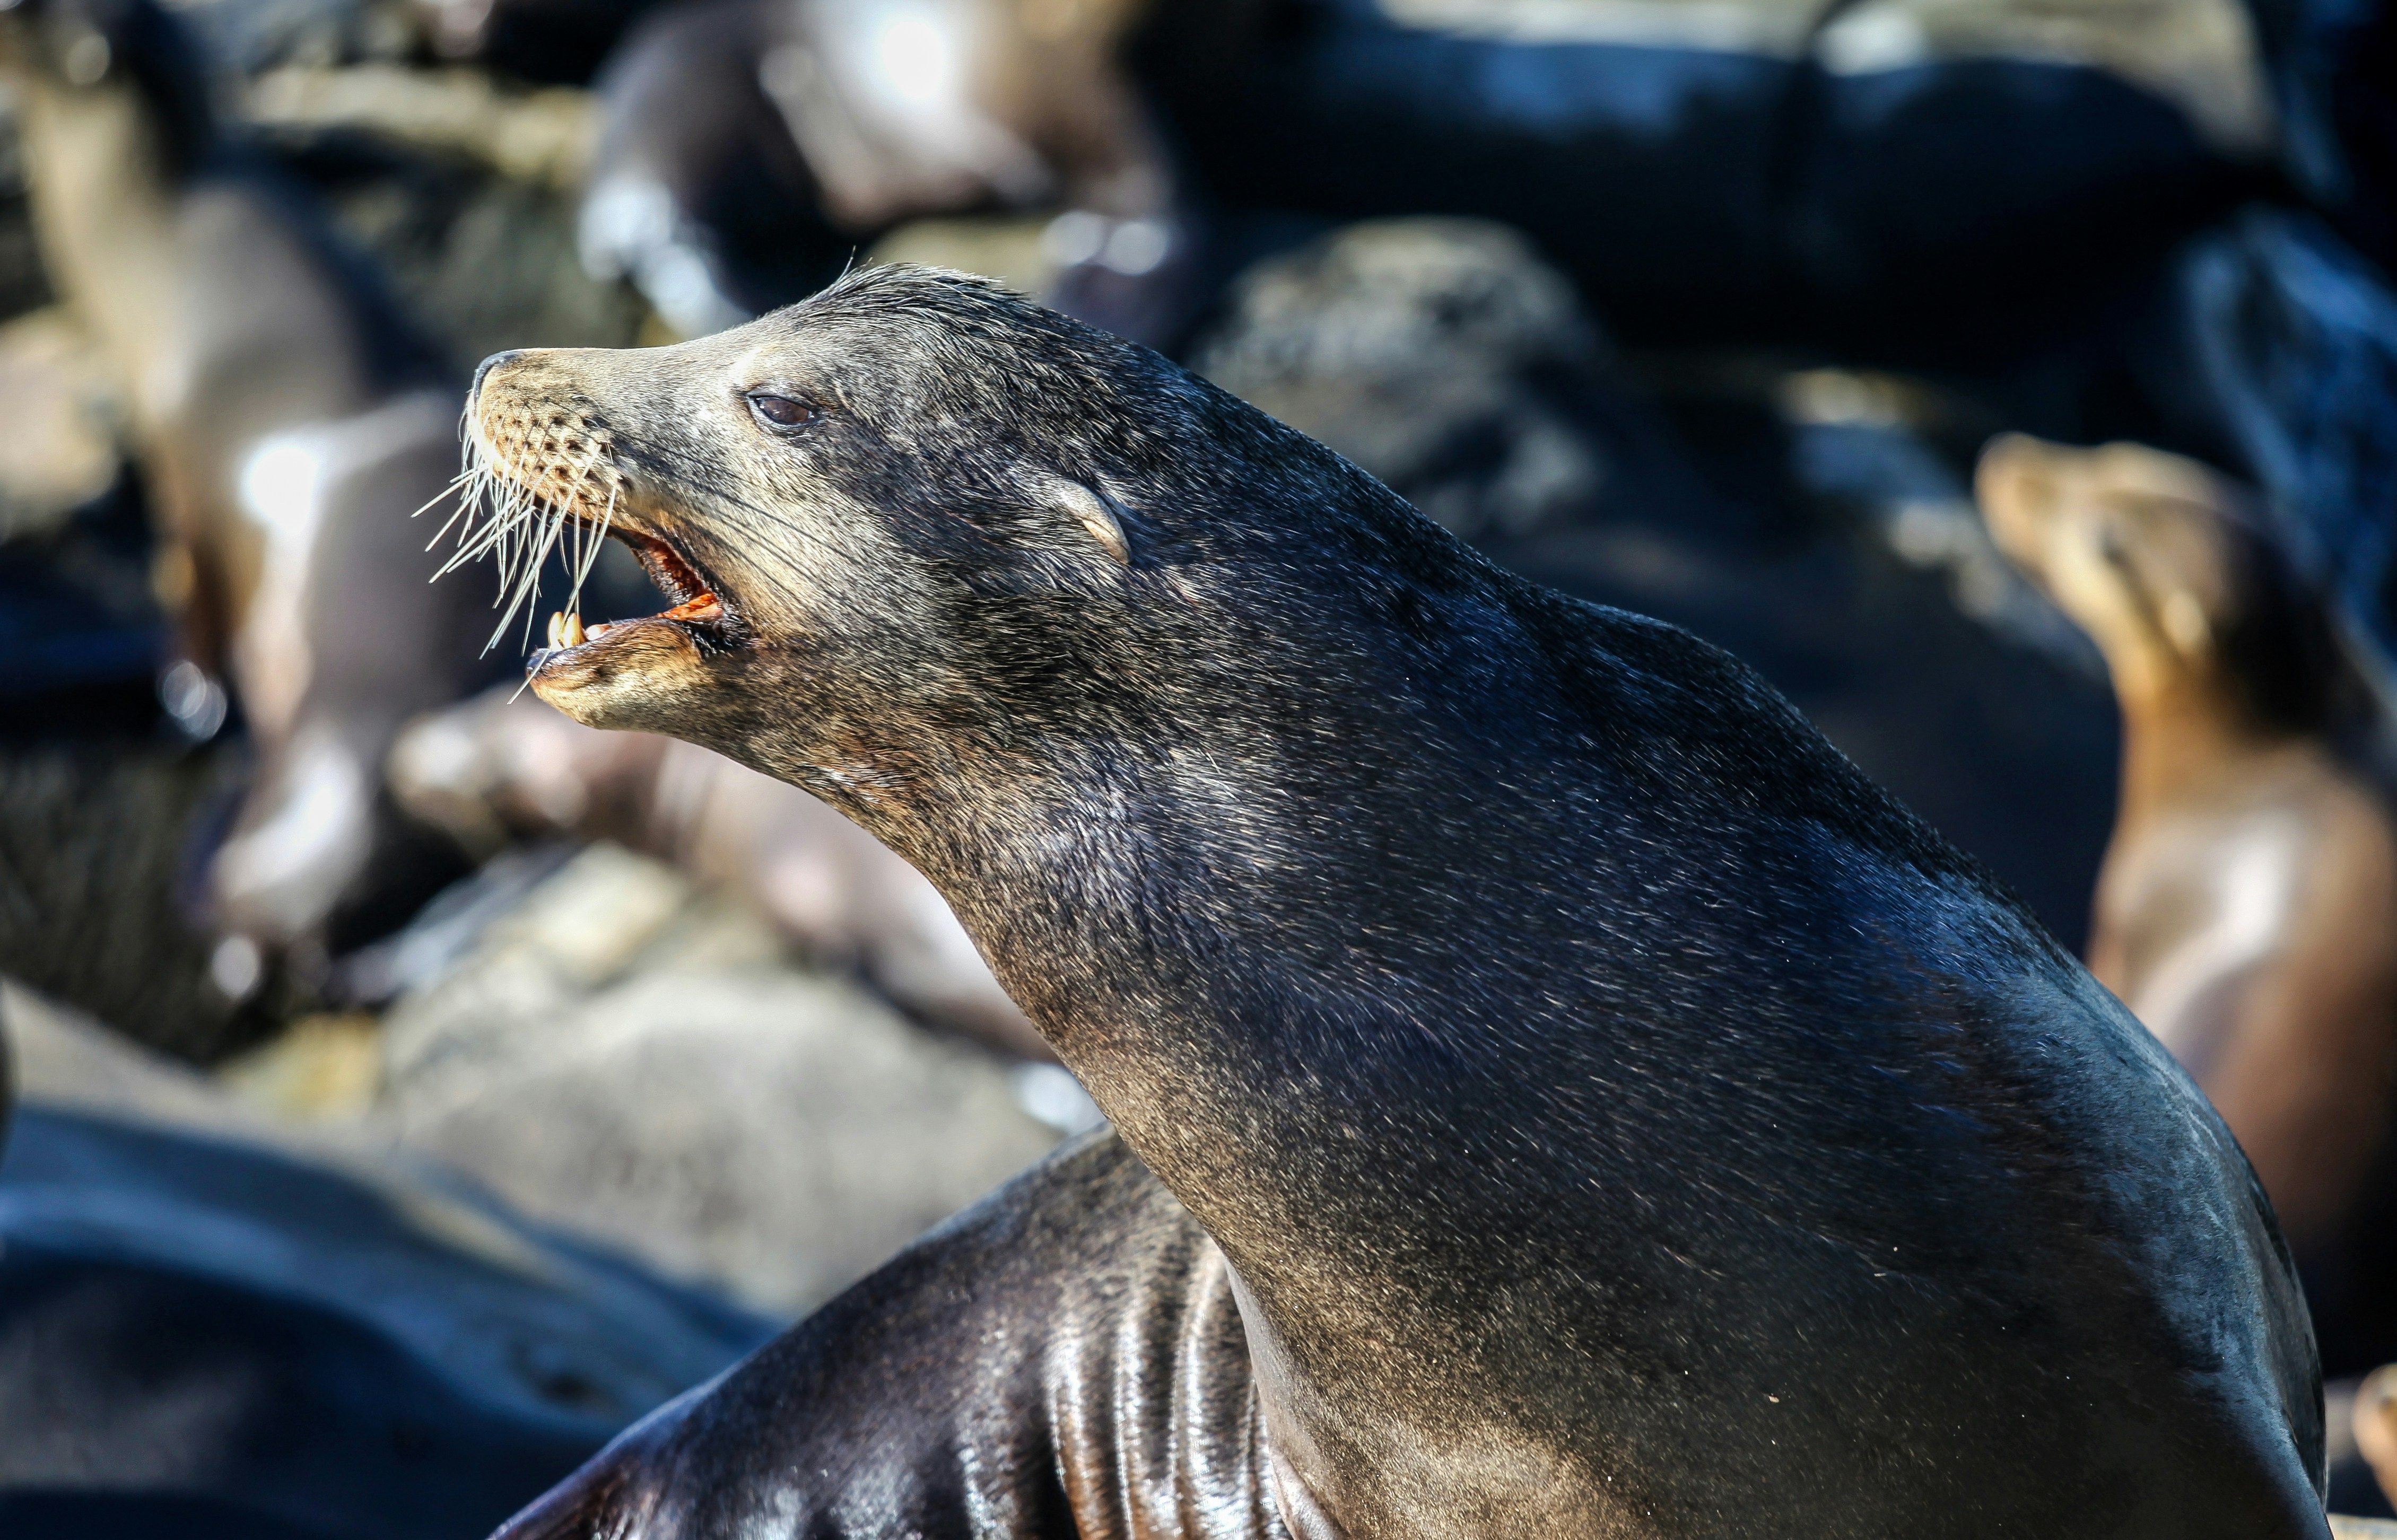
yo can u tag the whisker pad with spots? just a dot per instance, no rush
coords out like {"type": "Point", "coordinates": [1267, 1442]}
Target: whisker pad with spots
{"type": "Point", "coordinates": [530, 485]}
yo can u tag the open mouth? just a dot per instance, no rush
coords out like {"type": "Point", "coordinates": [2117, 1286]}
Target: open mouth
{"type": "Point", "coordinates": [695, 609]}
{"type": "Point", "coordinates": [540, 483]}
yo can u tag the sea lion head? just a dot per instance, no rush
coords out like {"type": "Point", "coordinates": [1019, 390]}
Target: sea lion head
{"type": "Point", "coordinates": [2167, 566]}
{"type": "Point", "coordinates": [918, 528]}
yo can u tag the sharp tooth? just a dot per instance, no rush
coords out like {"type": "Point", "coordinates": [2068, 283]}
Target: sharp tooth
{"type": "Point", "coordinates": [556, 628]}
{"type": "Point", "coordinates": [574, 631]}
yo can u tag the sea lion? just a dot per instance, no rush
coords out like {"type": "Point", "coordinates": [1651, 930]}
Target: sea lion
{"type": "Point", "coordinates": [1612, 1113]}
{"type": "Point", "coordinates": [2247, 908]}
{"type": "Point", "coordinates": [286, 426]}
{"type": "Point", "coordinates": [1828, 178]}
{"type": "Point", "coordinates": [2376, 1425]}
{"type": "Point", "coordinates": [1806, 522]}
{"type": "Point", "coordinates": [749, 146]}
{"type": "Point", "coordinates": [198, 1308]}
{"type": "Point", "coordinates": [1707, 174]}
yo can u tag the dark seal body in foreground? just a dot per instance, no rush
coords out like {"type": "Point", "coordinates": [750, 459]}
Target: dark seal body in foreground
{"type": "Point", "coordinates": [1609, 1114]}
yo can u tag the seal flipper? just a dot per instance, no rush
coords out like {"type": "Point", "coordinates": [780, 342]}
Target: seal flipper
{"type": "Point", "coordinates": [1063, 1358]}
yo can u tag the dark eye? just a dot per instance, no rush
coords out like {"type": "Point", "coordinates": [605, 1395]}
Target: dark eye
{"type": "Point", "coordinates": [781, 411]}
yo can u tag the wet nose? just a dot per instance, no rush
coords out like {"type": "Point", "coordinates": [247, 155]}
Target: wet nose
{"type": "Point", "coordinates": [486, 366]}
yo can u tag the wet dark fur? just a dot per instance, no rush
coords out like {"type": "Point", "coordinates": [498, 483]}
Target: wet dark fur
{"type": "Point", "coordinates": [1619, 1116]}
{"type": "Point", "coordinates": [1066, 1359]}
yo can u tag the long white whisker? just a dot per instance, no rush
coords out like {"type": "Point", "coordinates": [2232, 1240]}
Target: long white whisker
{"type": "Point", "coordinates": [591, 553]}
{"type": "Point", "coordinates": [502, 515]}
{"type": "Point", "coordinates": [455, 482]}
{"type": "Point", "coordinates": [527, 591]}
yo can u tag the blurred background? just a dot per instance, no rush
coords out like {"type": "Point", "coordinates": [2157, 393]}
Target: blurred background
{"type": "Point", "coordinates": [411, 1087]}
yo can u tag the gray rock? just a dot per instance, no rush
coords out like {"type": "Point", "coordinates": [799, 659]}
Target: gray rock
{"type": "Point", "coordinates": [198, 1308]}
{"type": "Point", "coordinates": [1417, 347]}
{"type": "Point", "coordinates": [509, 765]}
{"type": "Point", "coordinates": [91, 842]}
{"type": "Point", "coordinates": [633, 1060]}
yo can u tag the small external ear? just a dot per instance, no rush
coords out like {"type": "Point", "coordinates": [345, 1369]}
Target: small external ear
{"type": "Point", "coordinates": [1093, 510]}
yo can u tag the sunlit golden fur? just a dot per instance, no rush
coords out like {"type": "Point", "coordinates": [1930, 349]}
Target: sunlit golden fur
{"type": "Point", "coordinates": [2247, 908]}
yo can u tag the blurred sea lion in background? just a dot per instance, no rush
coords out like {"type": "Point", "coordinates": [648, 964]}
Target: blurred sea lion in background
{"type": "Point", "coordinates": [698, 197]}
{"type": "Point", "coordinates": [2375, 1427]}
{"type": "Point", "coordinates": [2247, 909]}
{"type": "Point", "coordinates": [1824, 176]}
{"type": "Point", "coordinates": [1708, 172]}
{"type": "Point", "coordinates": [499, 768]}
{"type": "Point", "coordinates": [213, 1329]}
{"type": "Point", "coordinates": [286, 426]}
{"type": "Point", "coordinates": [750, 147]}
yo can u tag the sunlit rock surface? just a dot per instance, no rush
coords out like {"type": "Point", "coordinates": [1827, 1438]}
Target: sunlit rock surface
{"type": "Point", "coordinates": [626, 1056]}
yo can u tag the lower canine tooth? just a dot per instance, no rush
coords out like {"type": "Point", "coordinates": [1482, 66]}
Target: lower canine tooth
{"type": "Point", "coordinates": [574, 631]}
{"type": "Point", "coordinates": [556, 628]}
